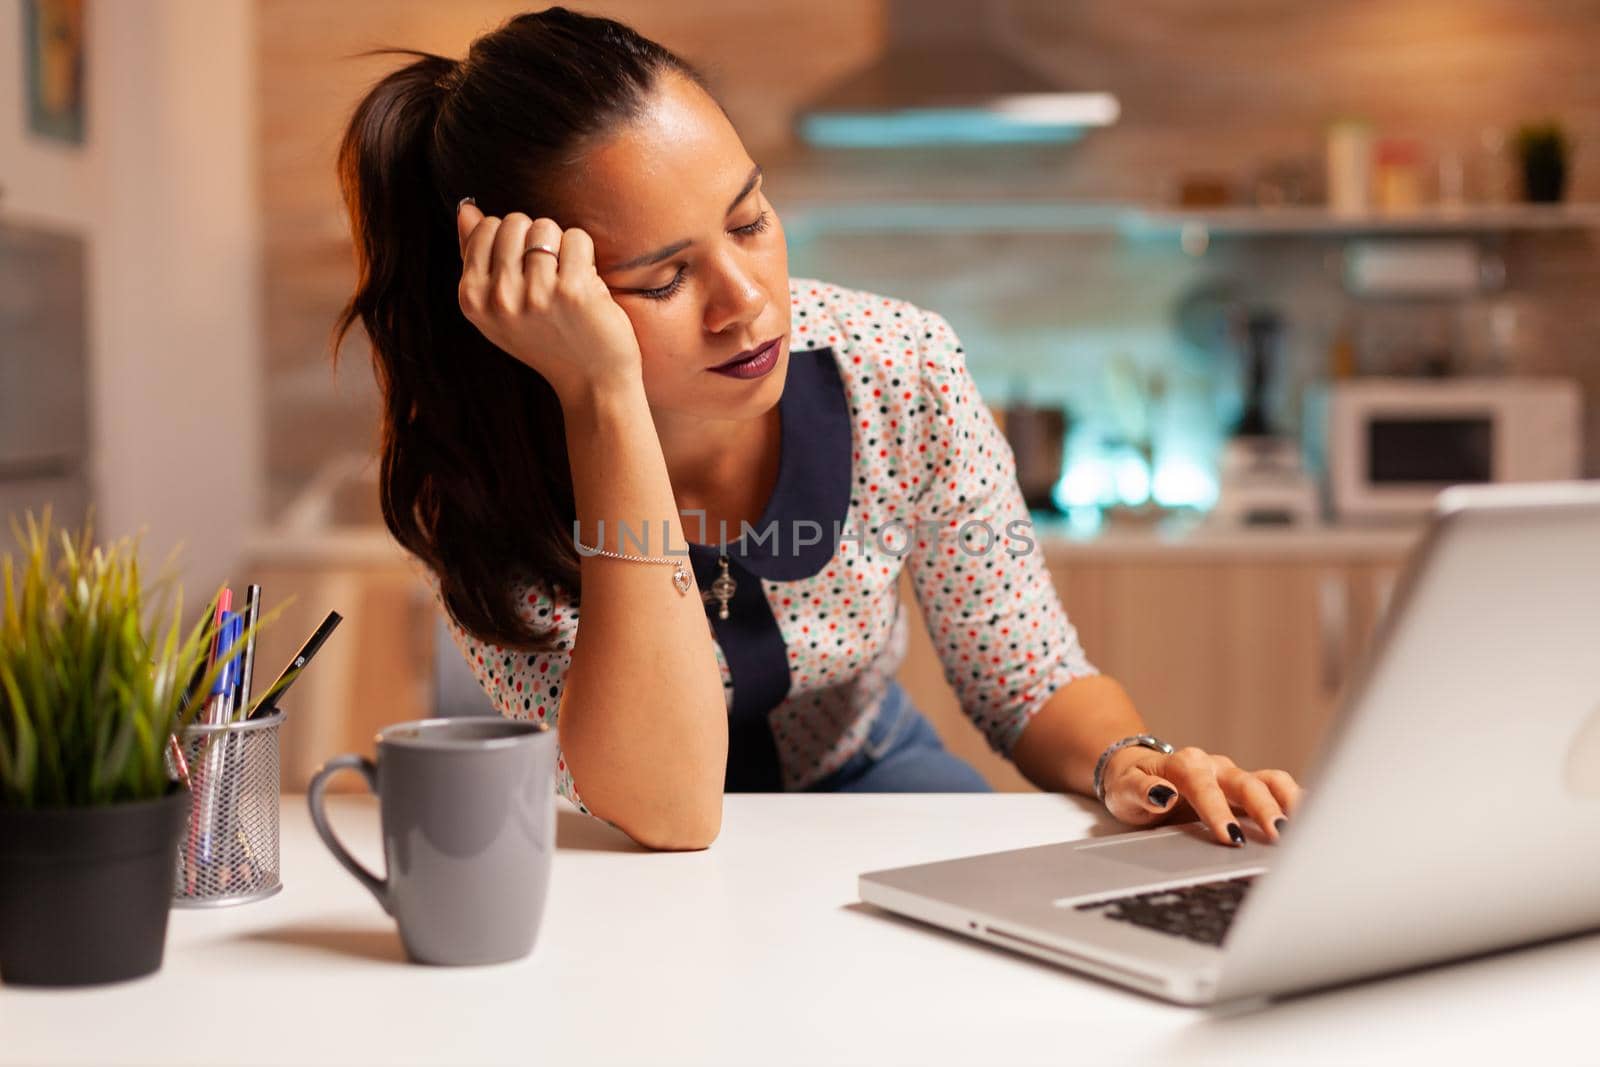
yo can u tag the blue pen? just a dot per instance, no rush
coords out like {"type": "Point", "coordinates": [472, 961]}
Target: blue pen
{"type": "Point", "coordinates": [216, 714]}
{"type": "Point", "coordinates": [236, 664]}
{"type": "Point", "coordinates": [222, 687]}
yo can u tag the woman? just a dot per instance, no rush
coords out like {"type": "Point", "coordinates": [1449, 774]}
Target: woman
{"type": "Point", "coordinates": [591, 353]}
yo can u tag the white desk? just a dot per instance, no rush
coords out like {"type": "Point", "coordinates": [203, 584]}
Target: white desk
{"type": "Point", "coordinates": [754, 952]}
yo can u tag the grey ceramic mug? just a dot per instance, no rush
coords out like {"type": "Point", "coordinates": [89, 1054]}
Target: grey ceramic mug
{"type": "Point", "coordinates": [468, 823]}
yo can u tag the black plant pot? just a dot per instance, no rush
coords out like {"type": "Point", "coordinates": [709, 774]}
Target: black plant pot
{"type": "Point", "coordinates": [85, 892]}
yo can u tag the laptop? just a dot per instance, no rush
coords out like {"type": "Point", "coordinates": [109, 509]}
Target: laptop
{"type": "Point", "coordinates": [1454, 807]}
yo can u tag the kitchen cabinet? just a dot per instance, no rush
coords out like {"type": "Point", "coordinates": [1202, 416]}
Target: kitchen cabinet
{"type": "Point", "coordinates": [1240, 651]}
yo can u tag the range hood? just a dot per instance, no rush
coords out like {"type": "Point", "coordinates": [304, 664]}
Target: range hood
{"type": "Point", "coordinates": [945, 79]}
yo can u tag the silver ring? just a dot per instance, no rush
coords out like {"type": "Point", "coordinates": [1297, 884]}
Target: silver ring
{"type": "Point", "coordinates": [541, 248]}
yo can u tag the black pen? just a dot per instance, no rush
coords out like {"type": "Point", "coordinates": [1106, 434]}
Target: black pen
{"type": "Point", "coordinates": [296, 665]}
{"type": "Point", "coordinates": [247, 664]}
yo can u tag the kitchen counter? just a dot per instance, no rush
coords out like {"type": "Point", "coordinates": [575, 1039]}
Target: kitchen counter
{"type": "Point", "coordinates": [373, 546]}
{"type": "Point", "coordinates": [1189, 539]}
{"type": "Point", "coordinates": [333, 522]}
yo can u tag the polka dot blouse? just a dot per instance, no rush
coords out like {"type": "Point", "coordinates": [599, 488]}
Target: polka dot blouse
{"type": "Point", "coordinates": [904, 469]}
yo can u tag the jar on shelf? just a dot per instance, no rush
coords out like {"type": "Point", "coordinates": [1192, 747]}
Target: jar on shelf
{"type": "Point", "coordinates": [1397, 177]}
{"type": "Point", "coordinates": [1349, 167]}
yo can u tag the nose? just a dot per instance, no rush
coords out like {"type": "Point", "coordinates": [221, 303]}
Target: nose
{"type": "Point", "coordinates": [736, 297]}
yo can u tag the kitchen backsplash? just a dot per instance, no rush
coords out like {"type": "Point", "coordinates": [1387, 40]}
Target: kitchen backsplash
{"type": "Point", "coordinates": [1094, 322]}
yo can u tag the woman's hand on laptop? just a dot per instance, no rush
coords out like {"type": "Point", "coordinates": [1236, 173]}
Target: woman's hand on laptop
{"type": "Point", "coordinates": [1144, 787]}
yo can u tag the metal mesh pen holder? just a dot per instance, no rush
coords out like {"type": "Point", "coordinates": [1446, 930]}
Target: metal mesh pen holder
{"type": "Point", "coordinates": [229, 852]}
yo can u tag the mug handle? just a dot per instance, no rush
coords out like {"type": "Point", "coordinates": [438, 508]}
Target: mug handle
{"type": "Point", "coordinates": [379, 887]}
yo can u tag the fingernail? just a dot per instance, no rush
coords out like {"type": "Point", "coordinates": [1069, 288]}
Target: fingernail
{"type": "Point", "coordinates": [1161, 795]}
{"type": "Point", "coordinates": [464, 200]}
{"type": "Point", "coordinates": [1279, 823]}
{"type": "Point", "coordinates": [1235, 834]}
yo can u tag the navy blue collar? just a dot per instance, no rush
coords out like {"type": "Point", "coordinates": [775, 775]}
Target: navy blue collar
{"type": "Point", "coordinates": [812, 494]}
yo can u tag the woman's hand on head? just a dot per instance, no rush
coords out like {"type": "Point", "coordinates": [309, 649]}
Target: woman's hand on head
{"type": "Point", "coordinates": [1143, 786]}
{"type": "Point", "coordinates": [553, 313]}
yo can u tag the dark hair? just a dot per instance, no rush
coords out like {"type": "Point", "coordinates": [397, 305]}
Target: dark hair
{"type": "Point", "coordinates": [475, 478]}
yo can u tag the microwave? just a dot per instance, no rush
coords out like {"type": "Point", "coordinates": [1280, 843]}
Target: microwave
{"type": "Point", "coordinates": [1385, 447]}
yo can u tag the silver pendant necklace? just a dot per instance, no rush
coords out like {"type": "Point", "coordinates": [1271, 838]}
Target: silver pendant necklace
{"type": "Point", "coordinates": [722, 588]}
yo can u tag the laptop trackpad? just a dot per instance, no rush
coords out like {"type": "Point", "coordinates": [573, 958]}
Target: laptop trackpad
{"type": "Point", "coordinates": [1179, 850]}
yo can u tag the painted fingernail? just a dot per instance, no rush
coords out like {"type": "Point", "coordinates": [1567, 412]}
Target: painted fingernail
{"type": "Point", "coordinates": [1161, 795]}
{"type": "Point", "coordinates": [464, 200]}
{"type": "Point", "coordinates": [1279, 823]}
{"type": "Point", "coordinates": [1235, 834]}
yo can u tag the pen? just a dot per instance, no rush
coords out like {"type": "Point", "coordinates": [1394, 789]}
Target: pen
{"type": "Point", "coordinates": [179, 764]}
{"type": "Point", "coordinates": [211, 767]}
{"type": "Point", "coordinates": [195, 776]}
{"type": "Point", "coordinates": [236, 744]}
{"type": "Point", "coordinates": [252, 615]}
{"type": "Point", "coordinates": [224, 602]}
{"type": "Point", "coordinates": [222, 689]}
{"type": "Point", "coordinates": [296, 665]}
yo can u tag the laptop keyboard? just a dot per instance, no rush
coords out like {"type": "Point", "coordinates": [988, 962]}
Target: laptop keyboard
{"type": "Point", "coordinates": [1201, 912]}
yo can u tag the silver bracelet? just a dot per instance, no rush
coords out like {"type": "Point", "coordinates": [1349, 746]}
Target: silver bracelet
{"type": "Point", "coordinates": [1117, 746]}
{"type": "Point", "coordinates": [681, 578]}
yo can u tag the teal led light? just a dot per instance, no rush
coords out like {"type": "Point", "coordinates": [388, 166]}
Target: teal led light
{"type": "Point", "coordinates": [932, 126]}
{"type": "Point", "coordinates": [1131, 475]}
{"type": "Point", "coordinates": [1085, 522]}
{"type": "Point", "coordinates": [1184, 481]}
{"type": "Point", "coordinates": [1086, 483]}
{"type": "Point", "coordinates": [1102, 475]}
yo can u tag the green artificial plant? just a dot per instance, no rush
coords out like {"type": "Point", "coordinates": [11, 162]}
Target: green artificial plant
{"type": "Point", "coordinates": [92, 683]}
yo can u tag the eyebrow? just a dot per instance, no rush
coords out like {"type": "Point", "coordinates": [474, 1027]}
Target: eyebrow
{"type": "Point", "coordinates": [677, 246]}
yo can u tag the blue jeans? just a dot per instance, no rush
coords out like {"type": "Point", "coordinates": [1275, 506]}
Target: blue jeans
{"type": "Point", "coordinates": [903, 754]}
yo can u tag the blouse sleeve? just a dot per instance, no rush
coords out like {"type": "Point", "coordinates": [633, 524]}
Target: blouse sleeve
{"type": "Point", "coordinates": [524, 685]}
{"type": "Point", "coordinates": [1002, 636]}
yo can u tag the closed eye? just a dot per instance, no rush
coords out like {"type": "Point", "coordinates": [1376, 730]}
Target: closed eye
{"type": "Point", "coordinates": [756, 226]}
{"type": "Point", "coordinates": [666, 292]}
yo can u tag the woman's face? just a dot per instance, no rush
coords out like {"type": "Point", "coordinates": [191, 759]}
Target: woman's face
{"type": "Point", "coordinates": [691, 250]}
